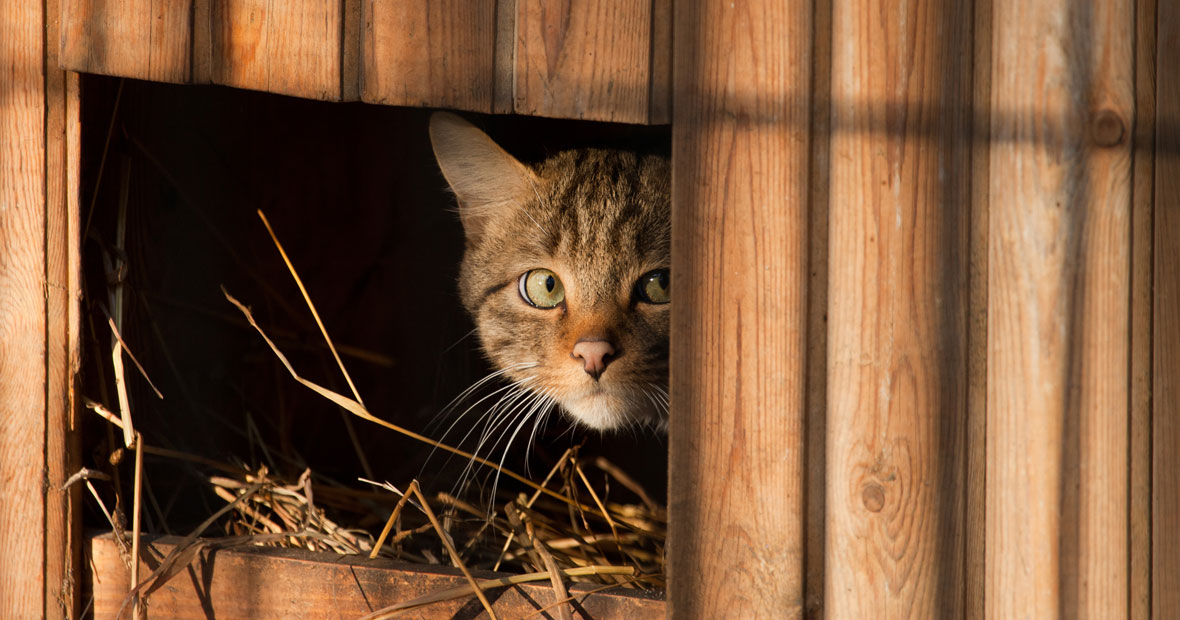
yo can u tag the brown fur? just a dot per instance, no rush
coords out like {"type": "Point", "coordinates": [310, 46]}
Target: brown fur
{"type": "Point", "coordinates": [597, 218]}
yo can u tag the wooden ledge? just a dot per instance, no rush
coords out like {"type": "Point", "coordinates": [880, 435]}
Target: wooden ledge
{"type": "Point", "coordinates": [259, 583]}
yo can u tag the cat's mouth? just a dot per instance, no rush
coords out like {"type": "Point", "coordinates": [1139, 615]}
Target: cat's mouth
{"type": "Point", "coordinates": [603, 406]}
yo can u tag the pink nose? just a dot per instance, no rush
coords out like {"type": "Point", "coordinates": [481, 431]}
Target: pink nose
{"type": "Point", "coordinates": [595, 354]}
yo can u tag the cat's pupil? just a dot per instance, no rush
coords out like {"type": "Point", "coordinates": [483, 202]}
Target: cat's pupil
{"type": "Point", "coordinates": [663, 279]}
{"type": "Point", "coordinates": [550, 283]}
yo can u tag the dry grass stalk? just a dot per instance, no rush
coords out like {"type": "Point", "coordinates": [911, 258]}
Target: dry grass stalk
{"type": "Point", "coordinates": [551, 531]}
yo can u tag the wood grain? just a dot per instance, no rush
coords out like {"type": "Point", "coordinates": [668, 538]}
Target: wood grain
{"type": "Point", "coordinates": [1165, 557]}
{"type": "Point", "coordinates": [62, 450]}
{"type": "Point", "coordinates": [815, 495]}
{"type": "Point", "coordinates": [739, 254]}
{"type": "Point", "coordinates": [430, 53]}
{"type": "Point", "coordinates": [661, 63]}
{"type": "Point", "coordinates": [900, 207]}
{"type": "Point", "coordinates": [975, 548]}
{"type": "Point", "coordinates": [1058, 311]}
{"type": "Point", "coordinates": [1143, 153]}
{"type": "Point", "coordinates": [583, 59]}
{"type": "Point", "coordinates": [290, 47]}
{"type": "Point", "coordinates": [22, 309]}
{"type": "Point", "coordinates": [143, 39]}
{"type": "Point", "coordinates": [252, 583]}
{"type": "Point", "coordinates": [505, 67]}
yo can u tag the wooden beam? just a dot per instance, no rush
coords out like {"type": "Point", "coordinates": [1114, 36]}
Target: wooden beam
{"type": "Point", "coordinates": [258, 583]}
{"type": "Point", "coordinates": [741, 144]}
{"type": "Point", "coordinates": [814, 501]}
{"type": "Point", "coordinates": [430, 53]}
{"type": "Point", "coordinates": [38, 313]}
{"type": "Point", "coordinates": [22, 308]}
{"type": "Point", "coordinates": [1143, 153]}
{"type": "Point", "coordinates": [975, 544]}
{"type": "Point", "coordinates": [291, 47]}
{"type": "Point", "coordinates": [584, 59]}
{"type": "Point", "coordinates": [143, 39]}
{"type": "Point", "coordinates": [900, 208]}
{"type": "Point", "coordinates": [1165, 586]}
{"type": "Point", "coordinates": [63, 517]}
{"type": "Point", "coordinates": [1058, 309]}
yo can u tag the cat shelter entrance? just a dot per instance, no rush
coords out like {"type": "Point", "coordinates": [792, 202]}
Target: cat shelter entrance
{"type": "Point", "coordinates": [196, 189]}
{"type": "Point", "coordinates": [924, 362]}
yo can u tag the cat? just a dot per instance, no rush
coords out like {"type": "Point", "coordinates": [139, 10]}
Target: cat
{"type": "Point", "coordinates": [566, 276]}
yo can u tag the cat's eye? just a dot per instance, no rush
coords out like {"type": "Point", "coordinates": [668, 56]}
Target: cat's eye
{"type": "Point", "coordinates": [653, 287]}
{"type": "Point", "coordinates": [542, 288]}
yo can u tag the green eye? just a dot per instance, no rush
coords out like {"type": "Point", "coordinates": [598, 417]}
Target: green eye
{"type": "Point", "coordinates": [542, 288]}
{"type": "Point", "coordinates": [653, 287]}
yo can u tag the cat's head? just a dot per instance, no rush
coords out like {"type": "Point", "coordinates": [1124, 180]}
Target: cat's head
{"type": "Point", "coordinates": [566, 271]}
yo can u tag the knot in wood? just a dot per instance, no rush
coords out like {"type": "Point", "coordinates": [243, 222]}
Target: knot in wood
{"type": "Point", "coordinates": [1107, 129]}
{"type": "Point", "coordinates": [873, 496]}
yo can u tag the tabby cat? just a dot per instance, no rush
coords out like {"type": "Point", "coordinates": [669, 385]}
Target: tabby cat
{"type": "Point", "coordinates": [565, 275]}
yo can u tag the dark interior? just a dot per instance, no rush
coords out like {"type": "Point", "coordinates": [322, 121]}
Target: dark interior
{"type": "Point", "coordinates": [353, 193]}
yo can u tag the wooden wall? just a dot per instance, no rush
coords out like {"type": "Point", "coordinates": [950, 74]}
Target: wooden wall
{"type": "Point", "coordinates": [571, 59]}
{"type": "Point", "coordinates": [39, 531]}
{"type": "Point", "coordinates": [927, 256]}
{"type": "Point", "coordinates": [955, 201]}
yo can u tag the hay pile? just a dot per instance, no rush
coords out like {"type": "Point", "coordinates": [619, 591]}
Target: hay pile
{"type": "Point", "coordinates": [565, 528]}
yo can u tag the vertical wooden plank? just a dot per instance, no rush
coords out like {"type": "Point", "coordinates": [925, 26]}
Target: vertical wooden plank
{"type": "Point", "coordinates": [975, 548]}
{"type": "Point", "coordinates": [1058, 309]}
{"type": "Point", "coordinates": [900, 206]}
{"type": "Point", "coordinates": [143, 39]}
{"type": "Point", "coordinates": [202, 54]}
{"type": "Point", "coordinates": [22, 309]}
{"type": "Point", "coordinates": [505, 65]}
{"type": "Point", "coordinates": [62, 520]}
{"type": "Point", "coordinates": [430, 53]}
{"type": "Point", "coordinates": [584, 59]}
{"type": "Point", "coordinates": [815, 455]}
{"type": "Point", "coordinates": [661, 63]}
{"type": "Point", "coordinates": [1143, 152]}
{"type": "Point", "coordinates": [1165, 503]}
{"type": "Point", "coordinates": [290, 47]}
{"type": "Point", "coordinates": [351, 43]}
{"type": "Point", "coordinates": [739, 261]}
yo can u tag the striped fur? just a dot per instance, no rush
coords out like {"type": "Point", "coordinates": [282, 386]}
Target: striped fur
{"type": "Point", "coordinates": [597, 218]}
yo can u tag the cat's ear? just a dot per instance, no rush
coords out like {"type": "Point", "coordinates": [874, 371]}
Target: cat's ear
{"type": "Point", "coordinates": [485, 178]}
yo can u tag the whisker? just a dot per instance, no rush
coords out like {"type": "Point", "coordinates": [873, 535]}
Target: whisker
{"type": "Point", "coordinates": [524, 418]}
{"type": "Point", "coordinates": [472, 388]}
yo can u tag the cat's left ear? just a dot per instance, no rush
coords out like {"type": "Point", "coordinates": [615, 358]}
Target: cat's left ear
{"type": "Point", "coordinates": [485, 178]}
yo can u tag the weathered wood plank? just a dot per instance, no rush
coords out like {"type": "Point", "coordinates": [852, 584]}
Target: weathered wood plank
{"type": "Point", "coordinates": [1165, 585]}
{"type": "Point", "coordinates": [661, 63]}
{"type": "Point", "coordinates": [741, 143]}
{"type": "Point", "coordinates": [430, 53]}
{"type": "Point", "coordinates": [900, 208]}
{"type": "Point", "coordinates": [584, 59]}
{"type": "Point", "coordinates": [22, 309]}
{"type": "Point", "coordinates": [290, 47]}
{"type": "Point", "coordinates": [504, 66]}
{"type": "Point", "coordinates": [975, 548]}
{"type": "Point", "coordinates": [143, 39]}
{"type": "Point", "coordinates": [1058, 309]}
{"type": "Point", "coordinates": [62, 450]}
{"type": "Point", "coordinates": [815, 506]}
{"type": "Point", "coordinates": [1143, 153]}
{"type": "Point", "coordinates": [252, 583]}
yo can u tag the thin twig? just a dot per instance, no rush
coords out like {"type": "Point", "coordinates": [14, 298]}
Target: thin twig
{"type": "Point", "coordinates": [136, 506]}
